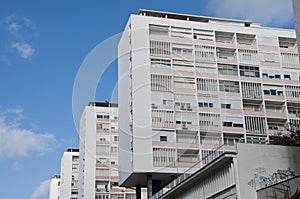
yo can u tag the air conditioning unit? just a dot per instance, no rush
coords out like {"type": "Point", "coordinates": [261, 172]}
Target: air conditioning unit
{"type": "Point", "coordinates": [184, 126]}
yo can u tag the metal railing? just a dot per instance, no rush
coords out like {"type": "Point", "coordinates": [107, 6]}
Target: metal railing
{"type": "Point", "coordinates": [214, 154]}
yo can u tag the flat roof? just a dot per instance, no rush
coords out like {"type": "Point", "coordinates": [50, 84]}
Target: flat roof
{"type": "Point", "coordinates": [103, 104]}
{"type": "Point", "coordinates": [188, 17]}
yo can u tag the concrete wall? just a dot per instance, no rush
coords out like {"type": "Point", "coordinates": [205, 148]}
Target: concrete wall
{"type": "Point", "coordinates": [125, 167]}
{"type": "Point", "coordinates": [286, 189]}
{"type": "Point", "coordinates": [259, 166]}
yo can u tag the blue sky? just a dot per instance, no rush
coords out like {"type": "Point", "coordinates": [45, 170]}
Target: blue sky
{"type": "Point", "coordinates": [42, 46]}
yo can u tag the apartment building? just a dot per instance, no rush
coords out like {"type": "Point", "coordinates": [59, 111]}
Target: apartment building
{"type": "Point", "coordinates": [98, 170]}
{"type": "Point", "coordinates": [54, 187]}
{"type": "Point", "coordinates": [189, 84]}
{"type": "Point", "coordinates": [69, 174]}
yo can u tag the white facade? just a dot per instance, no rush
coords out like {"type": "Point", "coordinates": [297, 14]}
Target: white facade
{"type": "Point", "coordinates": [69, 174]}
{"type": "Point", "coordinates": [98, 177]}
{"type": "Point", "coordinates": [54, 187]}
{"type": "Point", "coordinates": [188, 84]}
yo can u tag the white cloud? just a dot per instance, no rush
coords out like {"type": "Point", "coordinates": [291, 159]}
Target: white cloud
{"type": "Point", "coordinates": [25, 50]}
{"type": "Point", "coordinates": [41, 190]}
{"type": "Point", "coordinates": [17, 141]}
{"type": "Point", "coordinates": [267, 12]}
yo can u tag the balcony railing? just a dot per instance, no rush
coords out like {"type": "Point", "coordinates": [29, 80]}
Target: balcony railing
{"type": "Point", "coordinates": [200, 164]}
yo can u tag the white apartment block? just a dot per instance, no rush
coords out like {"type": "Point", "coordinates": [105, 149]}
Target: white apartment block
{"type": "Point", "coordinates": [98, 170]}
{"type": "Point", "coordinates": [54, 187]}
{"type": "Point", "coordinates": [69, 174]}
{"type": "Point", "coordinates": [189, 84]}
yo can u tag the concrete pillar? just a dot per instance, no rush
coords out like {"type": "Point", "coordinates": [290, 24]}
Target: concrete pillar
{"type": "Point", "coordinates": [149, 186]}
{"type": "Point", "coordinates": [138, 191]}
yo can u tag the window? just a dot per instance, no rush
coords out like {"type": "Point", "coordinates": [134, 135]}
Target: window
{"type": "Point", "coordinates": [159, 48]}
{"type": "Point", "coordinates": [226, 69]}
{"type": "Point", "coordinates": [226, 106]}
{"type": "Point", "coordinates": [256, 140]}
{"type": "Point", "coordinates": [205, 52]}
{"type": "Point", "coordinates": [114, 149]}
{"type": "Point", "coordinates": [209, 119]}
{"type": "Point", "coordinates": [116, 138]}
{"type": "Point", "coordinates": [255, 125]}
{"type": "Point", "coordinates": [158, 30]}
{"type": "Point", "coordinates": [232, 121]}
{"type": "Point", "coordinates": [167, 102]}
{"type": "Point", "coordinates": [250, 71]}
{"type": "Point", "coordinates": [103, 116]}
{"type": "Point", "coordinates": [207, 85]}
{"type": "Point", "coordinates": [163, 138]}
{"type": "Point", "coordinates": [248, 56]}
{"type": "Point", "coordinates": [287, 77]}
{"type": "Point", "coordinates": [277, 76]}
{"type": "Point", "coordinates": [161, 82]}
{"type": "Point", "coordinates": [230, 141]}
{"type": "Point", "coordinates": [290, 58]}
{"type": "Point", "coordinates": [160, 63]}
{"type": "Point", "coordinates": [251, 90]}
{"type": "Point", "coordinates": [226, 53]}
{"type": "Point", "coordinates": [229, 86]}
{"type": "Point", "coordinates": [162, 118]}
{"type": "Point", "coordinates": [102, 126]}
{"type": "Point", "coordinates": [182, 51]}
{"type": "Point", "coordinates": [205, 104]}
{"type": "Point", "coordinates": [292, 91]}
{"type": "Point", "coordinates": [227, 124]}
{"type": "Point", "coordinates": [164, 157]}
{"type": "Point", "coordinates": [273, 92]}
{"type": "Point", "coordinates": [265, 75]}
{"type": "Point", "coordinates": [183, 105]}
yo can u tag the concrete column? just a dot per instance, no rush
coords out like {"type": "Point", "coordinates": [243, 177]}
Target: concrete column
{"type": "Point", "coordinates": [138, 191]}
{"type": "Point", "coordinates": [149, 186]}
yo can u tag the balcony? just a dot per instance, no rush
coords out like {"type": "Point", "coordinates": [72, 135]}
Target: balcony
{"type": "Point", "coordinates": [253, 108]}
{"type": "Point", "coordinates": [187, 140]}
{"type": "Point", "coordinates": [225, 39]}
{"type": "Point", "coordinates": [187, 157]}
{"type": "Point", "coordinates": [168, 125]}
{"type": "Point", "coordinates": [246, 41]}
{"type": "Point", "coordinates": [275, 109]}
{"type": "Point", "coordinates": [288, 45]}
